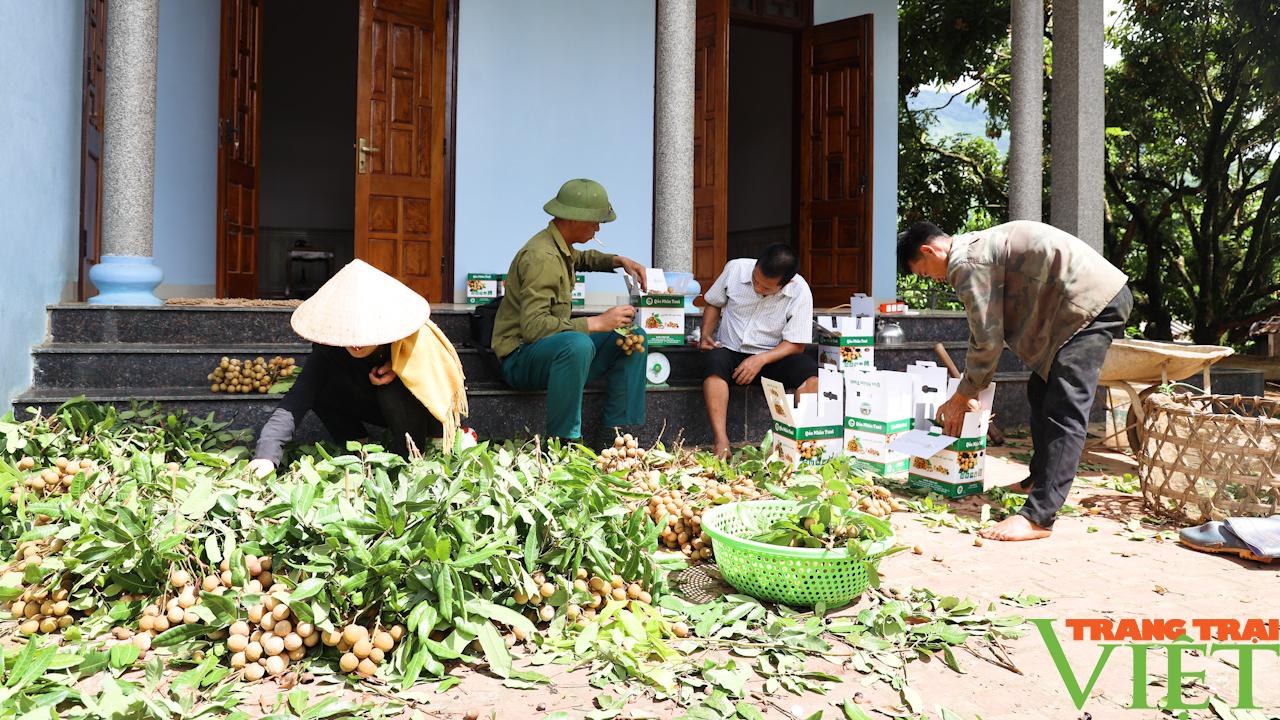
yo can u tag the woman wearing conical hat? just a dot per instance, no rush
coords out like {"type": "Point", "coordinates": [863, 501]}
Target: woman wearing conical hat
{"type": "Point", "coordinates": [376, 359]}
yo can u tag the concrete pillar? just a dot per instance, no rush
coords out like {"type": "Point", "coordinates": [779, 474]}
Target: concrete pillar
{"type": "Point", "coordinates": [673, 136]}
{"type": "Point", "coordinates": [127, 274]}
{"type": "Point", "coordinates": [1076, 197]}
{"type": "Point", "coordinates": [1026, 111]}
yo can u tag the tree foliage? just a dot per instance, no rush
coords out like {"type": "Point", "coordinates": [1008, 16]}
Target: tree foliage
{"type": "Point", "coordinates": [956, 181]}
{"type": "Point", "coordinates": [1193, 149]}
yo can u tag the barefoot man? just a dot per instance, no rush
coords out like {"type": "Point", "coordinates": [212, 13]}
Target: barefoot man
{"type": "Point", "coordinates": [1057, 304]}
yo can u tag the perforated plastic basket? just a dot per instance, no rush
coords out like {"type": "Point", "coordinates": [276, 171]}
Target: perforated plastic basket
{"type": "Point", "coordinates": [788, 575]}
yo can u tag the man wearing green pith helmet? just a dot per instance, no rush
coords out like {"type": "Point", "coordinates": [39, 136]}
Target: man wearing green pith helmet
{"type": "Point", "coordinates": [542, 347]}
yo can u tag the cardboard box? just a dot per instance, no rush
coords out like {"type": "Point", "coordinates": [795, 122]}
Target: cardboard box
{"type": "Point", "coordinates": [849, 343]}
{"type": "Point", "coordinates": [660, 313]}
{"type": "Point", "coordinates": [959, 469]}
{"type": "Point", "coordinates": [879, 406]}
{"type": "Point", "coordinates": [483, 288]}
{"type": "Point", "coordinates": [808, 429]}
{"type": "Point", "coordinates": [579, 290]}
{"type": "Point", "coordinates": [661, 316]}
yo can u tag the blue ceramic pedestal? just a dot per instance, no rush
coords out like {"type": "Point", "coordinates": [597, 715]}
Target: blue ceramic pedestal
{"type": "Point", "coordinates": [126, 280]}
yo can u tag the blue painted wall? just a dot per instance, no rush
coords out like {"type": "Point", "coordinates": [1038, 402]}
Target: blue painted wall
{"type": "Point", "coordinates": [549, 91]}
{"type": "Point", "coordinates": [186, 146]}
{"type": "Point", "coordinates": [41, 46]}
{"type": "Point", "coordinates": [884, 179]}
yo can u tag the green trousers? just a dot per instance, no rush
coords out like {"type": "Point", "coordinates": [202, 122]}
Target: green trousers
{"type": "Point", "coordinates": [562, 364]}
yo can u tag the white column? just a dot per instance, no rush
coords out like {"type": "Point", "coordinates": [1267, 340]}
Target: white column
{"type": "Point", "coordinates": [673, 136]}
{"type": "Point", "coordinates": [127, 275]}
{"type": "Point", "coordinates": [1076, 197]}
{"type": "Point", "coordinates": [1026, 111]}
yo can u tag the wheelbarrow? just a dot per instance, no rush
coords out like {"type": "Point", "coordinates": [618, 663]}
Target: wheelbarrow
{"type": "Point", "coordinates": [1139, 367]}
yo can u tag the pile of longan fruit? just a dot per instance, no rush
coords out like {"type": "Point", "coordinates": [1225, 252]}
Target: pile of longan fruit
{"type": "Point", "coordinates": [683, 515]}
{"type": "Point", "coordinates": [626, 454]}
{"type": "Point", "coordinates": [600, 590]}
{"type": "Point", "coordinates": [42, 609]}
{"type": "Point", "coordinates": [878, 502]}
{"type": "Point", "coordinates": [363, 649]}
{"type": "Point", "coordinates": [175, 609]}
{"type": "Point", "coordinates": [53, 480]}
{"type": "Point", "coordinates": [247, 376]}
{"type": "Point", "coordinates": [630, 343]}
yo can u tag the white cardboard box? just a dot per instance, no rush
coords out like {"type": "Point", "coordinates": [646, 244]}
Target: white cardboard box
{"type": "Point", "coordinates": [660, 313]}
{"type": "Point", "coordinates": [879, 406]}
{"type": "Point", "coordinates": [808, 427]}
{"type": "Point", "coordinates": [850, 345]}
{"type": "Point", "coordinates": [960, 469]}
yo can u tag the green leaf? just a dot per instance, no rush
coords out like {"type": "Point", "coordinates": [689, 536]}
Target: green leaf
{"type": "Point", "coordinates": [501, 614]}
{"type": "Point", "coordinates": [747, 711]}
{"type": "Point", "coordinates": [495, 651]}
{"type": "Point", "coordinates": [124, 655]}
{"type": "Point", "coordinates": [181, 633]}
{"type": "Point", "coordinates": [306, 589]}
{"type": "Point", "coordinates": [853, 711]}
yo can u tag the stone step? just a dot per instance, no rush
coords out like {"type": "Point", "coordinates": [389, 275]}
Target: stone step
{"type": "Point", "coordinates": [194, 325]}
{"type": "Point", "coordinates": [500, 412]}
{"type": "Point", "coordinates": [112, 365]}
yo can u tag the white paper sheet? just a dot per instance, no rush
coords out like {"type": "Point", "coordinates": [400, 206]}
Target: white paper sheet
{"type": "Point", "coordinates": [920, 443]}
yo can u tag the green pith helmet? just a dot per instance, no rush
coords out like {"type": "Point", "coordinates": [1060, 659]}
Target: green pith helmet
{"type": "Point", "coordinates": [581, 199]}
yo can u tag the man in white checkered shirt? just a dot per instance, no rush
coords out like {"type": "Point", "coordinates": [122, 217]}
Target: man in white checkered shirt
{"type": "Point", "coordinates": [757, 322]}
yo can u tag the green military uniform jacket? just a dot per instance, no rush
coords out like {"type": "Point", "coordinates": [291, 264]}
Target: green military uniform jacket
{"type": "Point", "coordinates": [538, 298]}
{"type": "Point", "coordinates": [1027, 285]}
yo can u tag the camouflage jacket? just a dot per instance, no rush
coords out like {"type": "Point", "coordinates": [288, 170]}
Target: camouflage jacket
{"type": "Point", "coordinates": [1027, 285]}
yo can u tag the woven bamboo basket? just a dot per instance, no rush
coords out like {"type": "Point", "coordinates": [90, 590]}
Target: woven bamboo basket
{"type": "Point", "coordinates": [1207, 457]}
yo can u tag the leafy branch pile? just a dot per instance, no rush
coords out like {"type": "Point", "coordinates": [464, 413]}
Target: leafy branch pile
{"type": "Point", "coordinates": [163, 551]}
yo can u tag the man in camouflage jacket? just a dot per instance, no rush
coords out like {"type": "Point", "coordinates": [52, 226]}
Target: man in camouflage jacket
{"type": "Point", "coordinates": [1057, 304]}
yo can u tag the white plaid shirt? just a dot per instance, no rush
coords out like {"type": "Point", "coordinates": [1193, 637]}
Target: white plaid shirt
{"type": "Point", "coordinates": [753, 324]}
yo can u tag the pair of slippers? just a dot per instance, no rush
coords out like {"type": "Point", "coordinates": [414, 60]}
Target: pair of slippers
{"type": "Point", "coordinates": [1256, 539]}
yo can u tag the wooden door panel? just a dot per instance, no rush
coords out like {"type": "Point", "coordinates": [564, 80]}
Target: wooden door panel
{"type": "Point", "coordinates": [835, 159]}
{"type": "Point", "coordinates": [238, 120]}
{"type": "Point", "coordinates": [401, 108]}
{"type": "Point", "coordinates": [710, 141]}
{"type": "Point", "coordinates": [93, 100]}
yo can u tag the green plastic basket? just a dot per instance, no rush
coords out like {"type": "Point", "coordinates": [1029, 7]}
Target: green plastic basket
{"type": "Point", "coordinates": [787, 575]}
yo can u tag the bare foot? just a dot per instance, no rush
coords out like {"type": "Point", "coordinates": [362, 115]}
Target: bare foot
{"type": "Point", "coordinates": [722, 450]}
{"type": "Point", "coordinates": [1016, 527]}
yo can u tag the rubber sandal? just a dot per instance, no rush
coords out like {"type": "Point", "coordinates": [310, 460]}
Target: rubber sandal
{"type": "Point", "coordinates": [1215, 537]}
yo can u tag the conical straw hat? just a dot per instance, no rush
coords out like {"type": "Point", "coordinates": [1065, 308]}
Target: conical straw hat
{"type": "Point", "coordinates": [360, 306]}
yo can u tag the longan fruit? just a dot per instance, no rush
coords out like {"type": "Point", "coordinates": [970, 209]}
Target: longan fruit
{"type": "Point", "coordinates": [238, 660]}
{"type": "Point", "coordinates": [237, 643]}
{"type": "Point", "coordinates": [354, 633]}
{"type": "Point", "coordinates": [377, 656]}
{"type": "Point", "coordinates": [366, 668]}
{"type": "Point", "coordinates": [254, 672]}
{"type": "Point", "coordinates": [349, 663]}
{"type": "Point", "coordinates": [273, 644]}
{"type": "Point", "coordinates": [276, 665]}
{"type": "Point", "coordinates": [240, 627]}
{"type": "Point", "coordinates": [362, 647]}
{"type": "Point", "coordinates": [253, 651]}
{"type": "Point", "coordinates": [292, 641]}
{"type": "Point", "coordinates": [383, 641]}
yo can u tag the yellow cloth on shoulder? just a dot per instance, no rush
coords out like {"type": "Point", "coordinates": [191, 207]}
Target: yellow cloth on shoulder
{"type": "Point", "coordinates": [429, 366]}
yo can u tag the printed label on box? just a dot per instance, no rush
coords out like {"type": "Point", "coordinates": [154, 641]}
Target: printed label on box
{"type": "Point", "coordinates": [482, 288]}
{"type": "Point", "coordinates": [809, 429]}
{"type": "Point", "coordinates": [579, 295]}
{"type": "Point", "coordinates": [848, 342]}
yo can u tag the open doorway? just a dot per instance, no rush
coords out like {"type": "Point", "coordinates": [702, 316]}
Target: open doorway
{"type": "Point", "coordinates": [353, 150]}
{"type": "Point", "coordinates": [785, 163]}
{"type": "Point", "coordinates": [306, 172]}
{"type": "Point", "coordinates": [763, 100]}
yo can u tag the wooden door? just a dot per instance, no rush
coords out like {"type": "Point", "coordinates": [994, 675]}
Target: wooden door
{"type": "Point", "coordinates": [402, 113]}
{"type": "Point", "coordinates": [711, 141]}
{"type": "Point", "coordinates": [238, 114]}
{"type": "Point", "coordinates": [835, 159]}
{"type": "Point", "coordinates": [91, 106]}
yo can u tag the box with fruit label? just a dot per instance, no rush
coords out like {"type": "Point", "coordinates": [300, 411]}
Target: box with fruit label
{"type": "Point", "coordinates": [483, 288]}
{"type": "Point", "coordinates": [661, 316]}
{"type": "Point", "coordinates": [579, 296]}
{"type": "Point", "coordinates": [660, 312]}
{"type": "Point", "coordinates": [808, 427]}
{"type": "Point", "coordinates": [847, 342]}
{"type": "Point", "coordinates": [878, 407]}
{"type": "Point", "coordinates": [960, 468]}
